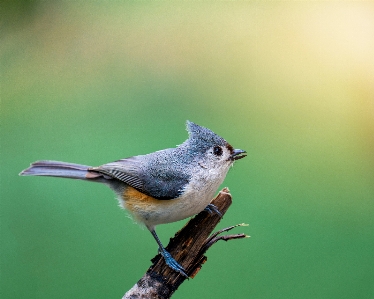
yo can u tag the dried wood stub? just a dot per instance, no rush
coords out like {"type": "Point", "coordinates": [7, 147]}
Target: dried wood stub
{"type": "Point", "coordinates": [188, 247]}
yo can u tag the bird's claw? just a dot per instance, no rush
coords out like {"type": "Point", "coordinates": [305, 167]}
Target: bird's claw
{"type": "Point", "coordinates": [210, 208]}
{"type": "Point", "coordinates": [172, 263]}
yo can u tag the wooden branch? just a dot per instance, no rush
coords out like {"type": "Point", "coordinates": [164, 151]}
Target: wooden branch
{"type": "Point", "coordinates": [188, 248]}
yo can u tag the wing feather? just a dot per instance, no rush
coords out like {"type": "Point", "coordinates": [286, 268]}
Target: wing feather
{"type": "Point", "coordinates": [148, 180]}
{"type": "Point", "coordinates": [125, 170]}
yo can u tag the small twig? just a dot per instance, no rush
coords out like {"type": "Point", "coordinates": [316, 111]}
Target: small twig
{"type": "Point", "coordinates": [187, 247]}
{"type": "Point", "coordinates": [226, 238]}
{"type": "Point", "coordinates": [213, 238]}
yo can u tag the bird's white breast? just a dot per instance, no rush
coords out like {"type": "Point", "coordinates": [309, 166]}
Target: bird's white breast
{"type": "Point", "coordinates": [195, 197]}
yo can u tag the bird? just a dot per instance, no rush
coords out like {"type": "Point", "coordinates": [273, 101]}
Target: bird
{"type": "Point", "coordinates": [161, 187]}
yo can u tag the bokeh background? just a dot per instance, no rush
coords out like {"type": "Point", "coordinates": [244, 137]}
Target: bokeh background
{"type": "Point", "coordinates": [95, 81]}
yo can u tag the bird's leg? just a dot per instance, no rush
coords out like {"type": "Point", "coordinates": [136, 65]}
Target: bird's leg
{"type": "Point", "coordinates": [170, 261]}
{"type": "Point", "coordinates": [210, 208]}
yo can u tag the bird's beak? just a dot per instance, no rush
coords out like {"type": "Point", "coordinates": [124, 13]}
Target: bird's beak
{"type": "Point", "coordinates": [237, 154]}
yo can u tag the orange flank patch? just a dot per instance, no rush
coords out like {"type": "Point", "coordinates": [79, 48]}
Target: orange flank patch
{"type": "Point", "coordinates": [135, 200]}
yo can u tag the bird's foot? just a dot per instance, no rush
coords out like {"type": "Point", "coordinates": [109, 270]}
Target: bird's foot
{"type": "Point", "coordinates": [210, 208]}
{"type": "Point", "coordinates": [172, 263]}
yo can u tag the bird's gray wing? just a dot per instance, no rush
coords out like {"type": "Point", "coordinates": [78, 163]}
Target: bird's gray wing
{"type": "Point", "coordinates": [153, 180]}
{"type": "Point", "coordinates": [125, 170]}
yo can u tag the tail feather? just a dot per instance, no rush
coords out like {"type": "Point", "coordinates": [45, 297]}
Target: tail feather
{"type": "Point", "coordinates": [59, 169]}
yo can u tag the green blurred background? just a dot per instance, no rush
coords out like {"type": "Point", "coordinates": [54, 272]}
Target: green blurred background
{"type": "Point", "coordinates": [95, 81]}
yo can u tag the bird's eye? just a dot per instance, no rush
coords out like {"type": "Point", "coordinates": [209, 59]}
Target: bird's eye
{"type": "Point", "coordinates": [217, 150]}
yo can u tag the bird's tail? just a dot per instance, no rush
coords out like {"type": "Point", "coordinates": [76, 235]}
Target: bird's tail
{"type": "Point", "coordinates": [60, 169]}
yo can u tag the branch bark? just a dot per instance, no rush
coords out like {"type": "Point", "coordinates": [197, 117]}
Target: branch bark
{"type": "Point", "coordinates": [188, 248]}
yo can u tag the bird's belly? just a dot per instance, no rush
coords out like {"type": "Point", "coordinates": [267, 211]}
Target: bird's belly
{"type": "Point", "coordinates": [151, 211]}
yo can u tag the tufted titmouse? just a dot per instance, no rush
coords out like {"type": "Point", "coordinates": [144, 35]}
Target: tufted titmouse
{"type": "Point", "coordinates": [161, 187]}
